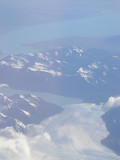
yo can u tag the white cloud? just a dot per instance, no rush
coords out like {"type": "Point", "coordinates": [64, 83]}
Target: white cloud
{"type": "Point", "coordinates": [73, 134]}
{"type": "Point", "coordinates": [13, 146]}
{"type": "Point", "coordinates": [113, 102]}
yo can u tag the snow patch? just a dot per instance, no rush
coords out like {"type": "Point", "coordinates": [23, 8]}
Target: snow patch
{"type": "Point", "coordinates": [27, 100]}
{"type": "Point", "coordinates": [115, 57]}
{"type": "Point", "coordinates": [93, 66]}
{"type": "Point", "coordinates": [40, 64]}
{"type": "Point", "coordinates": [4, 63]}
{"type": "Point", "coordinates": [40, 55]}
{"type": "Point", "coordinates": [30, 54]}
{"type": "Point", "coordinates": [56, 53]}
{"type": "Point", "coordinates": [86, 74]}
{"type": "Point", "coordinates": [42, 68]}
{"type": "Point", "coordinates": [106, 67]}
{"type": "Point", "coordinates": [18, 65]}
{"type": "Point", "coordinates": [104, 73]}
{"type": "Point", "coordinates": [77, 50]}
{"type": "Point", "coordinates": [25, 60]}
{"type": "Point", "coordinates": [34, 97]}
{"type": "Point", "coordinates": [69, 52]}
{"type": "Point", "coordinates": [20, 123]}
{"type": "Point", "coordinates": [26, 113]}
{"type": "Point", "coordinates": [4, 85]}
{"type": "Point", "coordinates": [3, 115]}
{"type": "Point", "coordinates": [58, 61]}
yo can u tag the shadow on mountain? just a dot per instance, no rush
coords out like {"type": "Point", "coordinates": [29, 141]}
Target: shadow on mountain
{"type": "Point", "coordinates": [112, 121]}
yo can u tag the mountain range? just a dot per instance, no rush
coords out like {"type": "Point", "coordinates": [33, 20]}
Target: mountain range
{"type": "Point", "coordinates": [90, 74]}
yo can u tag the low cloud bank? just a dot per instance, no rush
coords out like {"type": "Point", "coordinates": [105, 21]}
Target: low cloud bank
{"type": "Point", "coordinates": [113, 102]}
{"type": "Point", "coordinates": [76, 133]}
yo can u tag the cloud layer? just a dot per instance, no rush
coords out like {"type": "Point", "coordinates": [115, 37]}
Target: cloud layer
{"type": "Point", "coordinates": [74, 134]}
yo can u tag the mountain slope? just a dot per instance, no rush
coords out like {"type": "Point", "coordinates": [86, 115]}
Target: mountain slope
{"type": "Point", "coordinates": [19, 111]}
